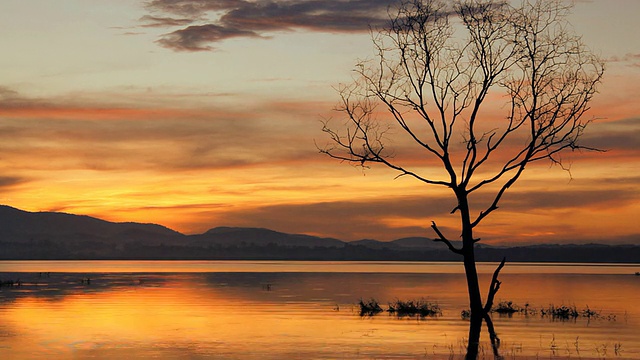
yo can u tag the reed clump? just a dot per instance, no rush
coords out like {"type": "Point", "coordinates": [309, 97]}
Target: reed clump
{"type": "Point", "coordinates": [420, 308]}
{"type": "Point", "coordinates": [507, 307]}
{"type": "Point", "coordinates": [370, 307]}
{"type": "Point", "coordinates": [562, 312]}
{"type": "Point", "coordinates": [465, 314]}
{"type": "Point", "coordinates": [571, 312]}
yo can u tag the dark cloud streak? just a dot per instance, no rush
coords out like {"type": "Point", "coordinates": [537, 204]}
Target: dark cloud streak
{"type": "Point", "coordinates": [195, 38]}
{"type": "Point", "coordinates": [9, 181]}
{"type": "Point", "coordinates": [239, 18]}
{"type": "Point", "coordinates": [532, 201]}
{"type": "Point", "coordinates": [366, 218]}
{"type": "Point", "coordinates": [155, 21]}
{"type": "Point", "coordinates": [360, 219]}
{"type": "Point", "coordinates": [615, 135]}
{"type": "Point", "coordinates": [629, 59]}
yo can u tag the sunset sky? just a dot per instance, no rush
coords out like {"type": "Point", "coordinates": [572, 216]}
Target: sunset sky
{"type": "Point", "coordinates": [201, 113]}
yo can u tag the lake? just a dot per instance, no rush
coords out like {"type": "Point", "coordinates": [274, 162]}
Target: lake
{"type": "Point", "coordinates": [305, 310]}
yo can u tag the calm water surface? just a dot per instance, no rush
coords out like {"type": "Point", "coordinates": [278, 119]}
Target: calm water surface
{"type": "Point", "coordinates": [302, 310]}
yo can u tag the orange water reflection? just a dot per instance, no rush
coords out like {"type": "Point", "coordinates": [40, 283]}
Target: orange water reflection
{"type": "Point", "coordinates": [181, 318]}
{"type": "Point", "coordinates": [303, 266]}
{"type": "Point", "coordinates": [284, 315]}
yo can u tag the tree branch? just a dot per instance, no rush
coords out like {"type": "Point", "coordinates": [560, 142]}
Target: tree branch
{"type": "Point", "coordinates": [442, 238]}
{"type": "Point", "coordinates": [495, 340]}
{"type": "Point", "coordinates": [494, 287]}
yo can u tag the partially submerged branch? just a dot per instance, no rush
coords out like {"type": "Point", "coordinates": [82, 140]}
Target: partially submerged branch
{"type": "Point", "coordinates": [494, 287]}
{"type": "Point", "coordinates": [495, 340]}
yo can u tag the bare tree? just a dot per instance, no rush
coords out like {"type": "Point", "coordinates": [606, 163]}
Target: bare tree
{"type": "Point", "coordinates": [441, 75]}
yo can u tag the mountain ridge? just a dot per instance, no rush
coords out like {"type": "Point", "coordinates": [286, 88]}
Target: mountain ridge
{"type": "Point", "coordinates": [57, 235]}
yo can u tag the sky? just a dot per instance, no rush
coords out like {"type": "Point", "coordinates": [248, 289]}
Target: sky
{"type": "Point", "coordinates": [202, 113]}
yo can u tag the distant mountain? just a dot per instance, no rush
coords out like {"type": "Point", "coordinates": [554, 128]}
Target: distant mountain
{"type": "Point", "coordinates": [227, 236]}
{"type": "Point", "coordinates": [23, 226]}
{"type": "Point", "coordinates": [52, 235]}
{"type": "Point", "coordinates": [422, 243]}
{"type": "Point", "coordinates": [375, 244]}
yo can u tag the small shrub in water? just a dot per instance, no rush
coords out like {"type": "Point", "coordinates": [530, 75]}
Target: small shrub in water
{"type": "Point", "coordinates": [465, 314]}
{"type": "Point", "coordinates": [588, 313]}
{"type": "Point", "coordinates": [369, 308]}
{"type": "Point", "coordinates": [414, 307]}
{"type": "Point", "coordinates": [562, 312]}
{"type": "Point", "coordinates": [571, 312]}
{"type": "Point", "coordinates": [506, 307]}
{"type": "Point", "coordinates": [617, 347]}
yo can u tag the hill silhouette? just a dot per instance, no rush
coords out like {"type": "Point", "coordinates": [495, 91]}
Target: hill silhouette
{"type": "Point", "coordinates": [258, 236]}
{"type": "Point", "coordinates": [54, 235]}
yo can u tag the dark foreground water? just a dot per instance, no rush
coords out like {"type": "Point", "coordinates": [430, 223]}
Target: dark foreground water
{"type": "Point", "coordinates": [304, 310]}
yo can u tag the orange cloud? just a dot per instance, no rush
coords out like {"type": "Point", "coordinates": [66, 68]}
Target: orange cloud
{"type": "Point", "coordinates": [198, 167]}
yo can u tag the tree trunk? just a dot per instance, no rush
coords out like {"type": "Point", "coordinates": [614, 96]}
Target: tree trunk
{"type": "Point", "coordinates": [475, 302]}
{"type": "Point", "coordinates": [475, 327]}
{"type": "Point", "coordinates": [473, 286]}
{"type": "Point", "coordinates": [495, 340]}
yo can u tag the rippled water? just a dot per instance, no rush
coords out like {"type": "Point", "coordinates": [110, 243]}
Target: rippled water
{"type": "Point", "coordinates": [302, 310]}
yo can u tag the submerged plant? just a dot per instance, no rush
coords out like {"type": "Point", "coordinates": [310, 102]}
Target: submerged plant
{"type": "Point", "coordinates": [420, 308]}
{"type": "Point", "coordinates": [617, 348]}
{"type": "Point", "coordinates": [571, 313]}
{"type": "Point", "coordinates": [465, 314]}
{"type": "Point", "coordinates": [400, 308]}
{"type": "Point", "coordinates": [588, 313]}
{"type": "Point", "coordinates": [506, 307]}
{"type": "Point", "coordinates": [369, 308]}
{"type": "Point", "coordinates": [562, 312]}
{"type": "Point", "coordinates": [552, 345]}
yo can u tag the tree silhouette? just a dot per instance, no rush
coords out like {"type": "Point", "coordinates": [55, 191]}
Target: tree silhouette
{"type": "Point", "coordinates": [469, 94]}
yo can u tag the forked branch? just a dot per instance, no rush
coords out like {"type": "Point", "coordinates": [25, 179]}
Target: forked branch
{"type": "Point", "coordinates": [494, 287]}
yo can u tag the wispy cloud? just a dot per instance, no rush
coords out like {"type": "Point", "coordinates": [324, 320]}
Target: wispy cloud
{"type": "Point", "coordinates": [223, 19]}
{"type": "Point", "coordinates": [10, 98]}
{"type": "Point", "coordinates": [629, 59]}
{"type": "Point", "coordinates": [541, 201]}
{"type": "Point", "coordinates": [197, 37]}
{"type": "Point", "coordinates": [77, 135]}
{"type": "Point", "coordinates": [7, 93]}
{"type": "Point", "coordinates": [9, 181]}
{"type": "Point", "coordinates": [618, 138]}
{"type": "Point", "coordinates": [412, 215]}
{"type": "Point", "coordinates": [354, 219]}
{"type": "Point", "coordinates": [156, 21]}
{"type": "Point", "coordinates": [257, 166]}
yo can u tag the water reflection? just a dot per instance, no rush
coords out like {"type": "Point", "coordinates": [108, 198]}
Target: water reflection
{"type": "Point", "coordinates": [276, 315]}
{"type": "Point", "coordinates": [161, 266]}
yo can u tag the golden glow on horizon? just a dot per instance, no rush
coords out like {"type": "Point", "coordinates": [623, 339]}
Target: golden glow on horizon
{"type": "Point", "coordinates": [197, 140]}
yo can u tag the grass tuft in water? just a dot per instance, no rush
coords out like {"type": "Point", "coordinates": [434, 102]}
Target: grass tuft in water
{"type": "Point", "coordinates": [562, 312]}
{"type": "Point", "coordinates": [370, 307]}
{"type": "Point", "coordinates": [400, 308]}
{"type": "Point", "coordinates": [465, 314]}
{"type": "Point", "coordinates": [506, 307]}
{"type": "Point", "coordinates": [420, 308]}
